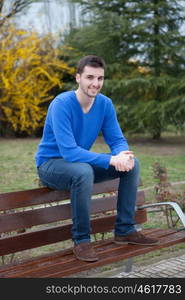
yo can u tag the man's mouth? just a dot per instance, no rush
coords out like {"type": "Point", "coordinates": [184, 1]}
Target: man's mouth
{"type": "Point", "coordinates": [94, 89]}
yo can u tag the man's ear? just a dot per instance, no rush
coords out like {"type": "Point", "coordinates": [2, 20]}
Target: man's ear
{"type": "Point", "coordinates": [78, 78]}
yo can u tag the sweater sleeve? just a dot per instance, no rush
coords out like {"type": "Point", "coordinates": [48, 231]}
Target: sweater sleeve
{"type": "Point", "coordinates": [112, 132]}
{"type": "Point", "coordinates": [69, 150]}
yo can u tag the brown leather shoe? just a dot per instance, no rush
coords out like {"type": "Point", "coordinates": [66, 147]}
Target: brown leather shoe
{"type": "Point", "coordinates": [85, 251]}
{"type": "Point", "coordinates": [135, 238]}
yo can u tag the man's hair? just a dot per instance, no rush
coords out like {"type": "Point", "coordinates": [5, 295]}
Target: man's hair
{"type": "Point", "coordinates": [92, 61]}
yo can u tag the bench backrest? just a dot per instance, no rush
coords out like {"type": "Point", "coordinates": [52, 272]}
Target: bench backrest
{"type": "Point", "coordinates": [25, 214]}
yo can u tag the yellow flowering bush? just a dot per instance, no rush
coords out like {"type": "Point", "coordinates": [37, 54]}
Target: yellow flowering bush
{"type": "Point", "coordinates": [29, 70]}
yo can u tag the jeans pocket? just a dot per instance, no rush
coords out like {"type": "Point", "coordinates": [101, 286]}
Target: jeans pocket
{"type": "Point", "coordinates": [45, 166]}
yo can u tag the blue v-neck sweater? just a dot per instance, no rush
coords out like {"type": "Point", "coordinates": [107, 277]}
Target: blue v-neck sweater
{"type": "Point", "coordinates": [70, 133]}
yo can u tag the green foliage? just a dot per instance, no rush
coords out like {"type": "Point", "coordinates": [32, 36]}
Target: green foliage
{"type": "Point", "coordinates": [144, 48]}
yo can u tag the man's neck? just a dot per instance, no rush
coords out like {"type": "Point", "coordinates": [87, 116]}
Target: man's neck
{"type": "Point", "coordinates": [85, 101]}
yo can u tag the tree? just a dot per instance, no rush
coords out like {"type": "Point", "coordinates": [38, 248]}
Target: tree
{"type": "Point", "coordinates": [148, 59]}
{"type": "Point", "coordinates": [29, 71]}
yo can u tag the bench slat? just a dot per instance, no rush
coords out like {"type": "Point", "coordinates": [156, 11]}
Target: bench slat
{"type": "Point", "coordinates": [47, 236]}
{"type": "Point", "coordinates": [64, 263]}
{"type": "Point", "coordinates": [64, 255]}
{"type": "Point", "coordinates": [44, 195]}
{"type": "Point", "coordinates": [27, 219]}
{"type": "Point", "coordinates": [108, 255]}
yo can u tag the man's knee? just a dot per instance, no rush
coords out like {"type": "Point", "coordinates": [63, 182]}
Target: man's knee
{"type": "Point", "coordinates": [84, 171]}
{"type": "Point", "coordinates": [136, 171]}
{"type": "Point", "coordinates": [136, 164]}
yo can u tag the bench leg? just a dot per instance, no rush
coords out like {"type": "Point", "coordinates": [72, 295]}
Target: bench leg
{"type": "Point", "coordinates": [128, 265]}
{"type": "Point", "coordinates": [129, 262]}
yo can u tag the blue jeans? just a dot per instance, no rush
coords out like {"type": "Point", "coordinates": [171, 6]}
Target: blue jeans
{"type": "Point", "coordinates": [79, 178]}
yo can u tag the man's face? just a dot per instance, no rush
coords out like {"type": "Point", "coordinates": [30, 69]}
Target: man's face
{"type": "Point", "coordinates": [90, 81]}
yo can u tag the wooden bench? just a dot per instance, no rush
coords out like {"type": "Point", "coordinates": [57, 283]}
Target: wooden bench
{"type": "Point", "coordinates": [38, 217]}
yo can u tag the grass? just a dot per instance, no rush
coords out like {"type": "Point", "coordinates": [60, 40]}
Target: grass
{"type": "Point", "coordinates": [170, 155]}
{"type": "Point", "coordinates": [18, 171]}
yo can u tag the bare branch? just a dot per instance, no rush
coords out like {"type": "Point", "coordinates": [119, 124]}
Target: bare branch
{"type": "Point", "coordinates": [1, 5]}
{"type": "Point", "coordinates": [14, 8]}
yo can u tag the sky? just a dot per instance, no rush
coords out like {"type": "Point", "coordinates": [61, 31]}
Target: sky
{"type": "Point", "coordinates": [36, 17]}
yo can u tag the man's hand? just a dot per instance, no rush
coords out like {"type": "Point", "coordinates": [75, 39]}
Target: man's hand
{"type": "Point", "coordinates": [124, 161]}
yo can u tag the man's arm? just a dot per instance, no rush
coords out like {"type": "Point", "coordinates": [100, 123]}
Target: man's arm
{"type": "Point", "coordinates": [122, 159]}
{"type": "Point", "coordinates": [112, 132]}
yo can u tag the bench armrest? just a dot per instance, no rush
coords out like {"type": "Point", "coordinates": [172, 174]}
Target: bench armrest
{"type": "Point", "coordinates": [174, 205]}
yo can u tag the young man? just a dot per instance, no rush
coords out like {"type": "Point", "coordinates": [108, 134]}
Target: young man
{"type": "Point", "coordinates": [65, 161]}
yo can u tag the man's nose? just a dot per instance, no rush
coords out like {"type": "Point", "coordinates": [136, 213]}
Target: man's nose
{"type": "Point", "coordinates": [95, 82]}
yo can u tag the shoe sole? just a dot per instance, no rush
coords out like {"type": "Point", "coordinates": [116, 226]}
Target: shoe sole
{"type": "Point", "coordinates": [85, 259]}
{"type": "Point", "coordinates": [132, 243]}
